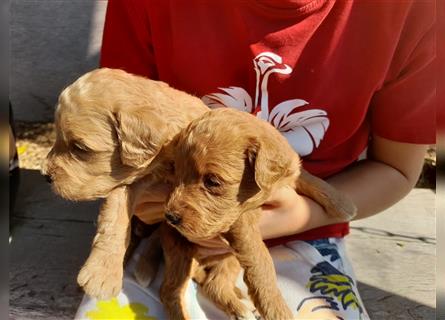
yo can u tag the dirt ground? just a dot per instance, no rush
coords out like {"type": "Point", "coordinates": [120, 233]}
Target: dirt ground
{"type": "Point", "coordinates": [34, 141]}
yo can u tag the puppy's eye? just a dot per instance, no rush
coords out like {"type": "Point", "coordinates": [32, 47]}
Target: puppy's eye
{"type": "Point", "coordinates": [79, 147]}
{"type": "Point", "coordinates": [211, 181]}
{"type": "Point", "coordinates": [171, 167]}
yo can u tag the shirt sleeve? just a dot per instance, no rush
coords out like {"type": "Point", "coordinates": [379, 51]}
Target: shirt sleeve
{"type": "Point", "coordinates": [126, 42]}
{"type": "Point", "coordinates": [404, 108]}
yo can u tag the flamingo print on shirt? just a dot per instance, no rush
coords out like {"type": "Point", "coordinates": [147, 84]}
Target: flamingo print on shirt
{"type": "Point", "coordinates": [304, 130]}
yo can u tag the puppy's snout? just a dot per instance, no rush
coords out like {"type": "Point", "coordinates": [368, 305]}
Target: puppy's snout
{"type": "Point", "coordinates": [48, 178]}
{"type": "Point", "coordinates": [44, 169]}
{"type": "Point", "coordinates": [173, 218]}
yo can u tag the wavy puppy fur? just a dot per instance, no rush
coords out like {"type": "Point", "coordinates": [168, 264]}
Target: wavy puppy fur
{"type": "Point", "coordinates": [112, 131]}
{"type": "Point", "coordinates": [110, 126]}
{"type": "Point", "coordinates": [227, 164]}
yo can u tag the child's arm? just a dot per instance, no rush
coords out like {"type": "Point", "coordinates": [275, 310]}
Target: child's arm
{"type": "Point", "coordinates": [375, 184]}
{"type": "Point", "coordinates": [389, 173]}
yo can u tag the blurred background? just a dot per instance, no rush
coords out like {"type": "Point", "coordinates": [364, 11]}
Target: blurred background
{"type": "Point", "coordinates": [52, 44]}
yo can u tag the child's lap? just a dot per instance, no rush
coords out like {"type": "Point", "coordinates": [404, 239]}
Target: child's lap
{"type": "Point", "coordinates": [315, 278]}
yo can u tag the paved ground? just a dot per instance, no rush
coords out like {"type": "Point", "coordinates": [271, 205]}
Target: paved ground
{"type": "Point", "coordinates": [393, 255]}
{"type": "Point", "coordinates": [52, 43]}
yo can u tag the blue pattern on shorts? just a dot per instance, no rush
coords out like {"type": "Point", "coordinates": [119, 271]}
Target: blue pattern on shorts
{"type": "Point", "coordinates": [326, 248]}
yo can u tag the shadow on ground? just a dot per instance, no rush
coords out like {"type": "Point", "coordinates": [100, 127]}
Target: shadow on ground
{"type": "Point", "coordinates": [51, 239]}
{"type": "Point", "coordinates": [384, 305]}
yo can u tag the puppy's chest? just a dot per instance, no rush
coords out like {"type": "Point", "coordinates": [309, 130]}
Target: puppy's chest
{"type": "Point", "coordinates": [205, 268]}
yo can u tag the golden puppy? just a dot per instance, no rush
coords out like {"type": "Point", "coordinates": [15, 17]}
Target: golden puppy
{"type": "Point", "coordinates": [110, 126]}
{"type": "Point", "coordinates": [113, 130]}
{"type": "Point", "coordinates": [227, 165]}
{"type": "Point", "coordinates": [216, 276]}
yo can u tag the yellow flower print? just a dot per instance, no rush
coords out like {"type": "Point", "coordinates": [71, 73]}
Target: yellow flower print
{"type": "Point", "coordinates": [111, 309]}
{"type": "Point", "coordinates": [329, 281]}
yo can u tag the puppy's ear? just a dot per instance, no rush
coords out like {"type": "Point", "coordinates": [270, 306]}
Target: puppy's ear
{"type": "Point", "coordinates": [270, 162]}
{"type": "Point", "coordinates": [139, 143]}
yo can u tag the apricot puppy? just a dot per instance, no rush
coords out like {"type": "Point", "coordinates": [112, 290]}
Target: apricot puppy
{"type": "Point", "coordinates": [113, 130]}
{"type": "Point", "coordinates": [227, 164]}
{"type": "Point", "coordinates": [216, 276]}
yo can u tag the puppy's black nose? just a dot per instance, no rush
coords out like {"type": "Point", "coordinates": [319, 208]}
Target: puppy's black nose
{"type": "Point", "coordinates": [48, 178]}
{"type": "Point", "coordinates": [173, 218]}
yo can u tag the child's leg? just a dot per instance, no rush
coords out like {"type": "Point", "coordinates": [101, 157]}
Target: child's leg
{"type": "Point", "coordinates": [315, 278]}
{"type": "Point", "coordinates": [322, 281]}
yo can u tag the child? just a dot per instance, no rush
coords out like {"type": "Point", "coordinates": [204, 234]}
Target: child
{"type": "Point", "coordinates": [349, 84]}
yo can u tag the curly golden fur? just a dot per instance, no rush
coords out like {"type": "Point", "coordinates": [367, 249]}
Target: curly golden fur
{"type": "Point", "coordinates": [117, 133]}
{"type": "Point", "coordinates": [112, 131]}
{"type": "Point", "coordinates": [110, 126]}
{"type": "Point", "coordinates": [227, 165]}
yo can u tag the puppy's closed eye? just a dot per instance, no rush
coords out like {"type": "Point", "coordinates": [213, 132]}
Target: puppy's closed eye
{"type": "Point", "coordinates": [169, 171]}
{"type": "Point", "coordinates": [79, 147]}
{"type": "Point", "coordinates": [213, 183]}
{"type": "Point", "coordinates": [171, 167]}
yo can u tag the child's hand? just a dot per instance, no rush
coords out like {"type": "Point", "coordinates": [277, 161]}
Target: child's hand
{"type": "Point", "coordinates": [213, 247]}
{"type": "Point", "coordinates": [286, 213]}
{"type": "Point", "coordinates": [150, 205]}
{"type": "Point", "coordinates": [283, 199]}
{"type": "Point", "coordinates": [280, 205]}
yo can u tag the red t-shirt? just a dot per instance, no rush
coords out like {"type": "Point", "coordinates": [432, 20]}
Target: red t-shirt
{"type": "Point", "coordinates": [324, 73]}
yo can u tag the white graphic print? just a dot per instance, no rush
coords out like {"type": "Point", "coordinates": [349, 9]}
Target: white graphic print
{"type": "Point", "coordinates": [304, 129]}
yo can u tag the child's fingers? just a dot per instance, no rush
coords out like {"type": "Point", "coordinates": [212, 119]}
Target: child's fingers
{"type": "Point", "coordinates": [150, 212]}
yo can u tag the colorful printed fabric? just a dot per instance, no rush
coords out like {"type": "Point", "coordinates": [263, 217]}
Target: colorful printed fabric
{"type": "Point", "coordinates": [315, 278]}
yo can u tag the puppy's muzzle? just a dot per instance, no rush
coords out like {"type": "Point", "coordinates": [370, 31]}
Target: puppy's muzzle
{"type": "Point", "coordinates": [48, 178]}
{"type": "Point", "coordinates": [173, 218]}
{"type": "Point", "coordinates": [44, 171]}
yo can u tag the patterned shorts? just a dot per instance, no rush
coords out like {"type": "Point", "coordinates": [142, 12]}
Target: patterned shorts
{"type": "Point", "coordinates": [315, 278]}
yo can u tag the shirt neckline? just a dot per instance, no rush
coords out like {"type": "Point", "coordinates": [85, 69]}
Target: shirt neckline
{"type": "Point", "coordinates": [286, 8]}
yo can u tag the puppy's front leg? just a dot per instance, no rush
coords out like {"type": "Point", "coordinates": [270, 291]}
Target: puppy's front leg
{"type": "Point", "coordinates": [178, 257]}
{"type": "Point", "coordinates": [259, 271]}
{"type": "Point", "coordinates": [334, 202]}
{"type": "Point", "coordinates": [218, 281]}
{"type": "Point", "coordinates": [101, 275]}
{"type": "Point", "coordinates": [147, 266]}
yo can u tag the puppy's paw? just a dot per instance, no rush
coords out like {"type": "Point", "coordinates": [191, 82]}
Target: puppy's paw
{"type": "Point", "coordinates": [341, 206]}
{"type": "Point", "coordinates": [240, 294]}
{"type": "Point", "coordinates": [101, 275]}
{"type": "Point", "coordinates": [145, 271]}
{"type": "Point", "coordinates": [256, 314]}
{"type": "Point", "coordinates": [250, 315]}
